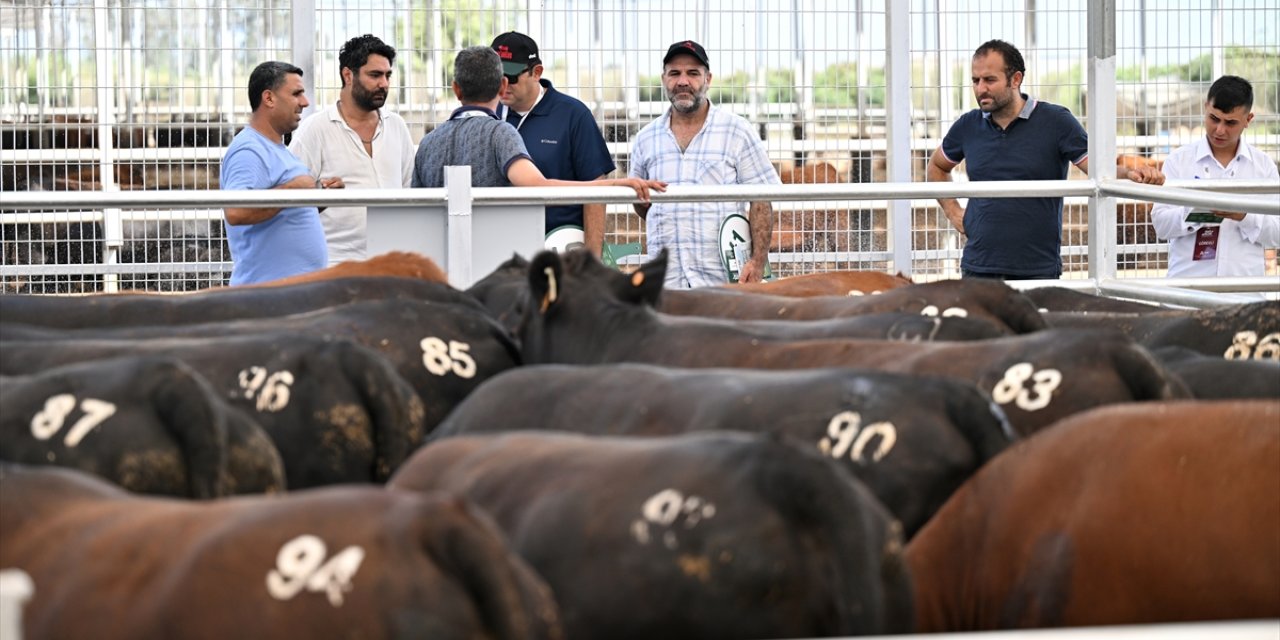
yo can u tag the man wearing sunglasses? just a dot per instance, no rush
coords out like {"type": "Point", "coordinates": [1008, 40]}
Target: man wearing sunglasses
{"type": "Point", "coordinates": [559, 132]}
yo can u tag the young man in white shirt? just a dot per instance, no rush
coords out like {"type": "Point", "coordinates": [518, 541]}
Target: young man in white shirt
{"type": "Point", "coordinates": [1219, 243]}
{"type": "Point", "coordinates": [358, 140]}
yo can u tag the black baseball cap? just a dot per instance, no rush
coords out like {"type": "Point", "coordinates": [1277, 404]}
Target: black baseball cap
{"type": "Point", "coordinates": [690, 47]}
{"type": "Point", "coordinates": [518, 52]}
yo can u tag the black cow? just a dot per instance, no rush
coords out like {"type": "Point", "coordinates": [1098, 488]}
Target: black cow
{"type": "Point", "coordinates": [336, 411]}
{"type": "Point", "coordinates": [501, 293]}
{"type": "Point", "coordinates": [350, 562]}
{"type": "Point", "coordinates": [583, 315]}
{"type": "Point", "coordinates": [1210, 377]}
{"type": "Point", "coordinates": [911, 439]}
{"type": "Point", "coordinates": [444, 350]}
{"type": "Point", "coordinates": [1238, 332]}
{"type": "Point", "coordinates": [709, 535]}
{"type": "Point", "coordinates": [991, 300]}
{"type": "Point", "coordinates": [1064, 299]}
{"type": "Point", "coordinates": [234, 303]}
{"type": "Point", "coordinates": [148, 424]}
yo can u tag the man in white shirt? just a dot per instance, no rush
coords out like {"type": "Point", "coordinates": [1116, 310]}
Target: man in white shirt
{"type": "Point", "coordinates": [358, 140]}
{"type": "Point", "coordinates": [1219, 243]}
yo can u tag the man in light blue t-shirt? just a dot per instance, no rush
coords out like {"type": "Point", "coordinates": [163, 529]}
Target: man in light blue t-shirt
{"type": "Point", "coordinates": [269, 243]}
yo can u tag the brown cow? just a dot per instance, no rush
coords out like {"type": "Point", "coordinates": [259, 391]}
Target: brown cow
{"type": "Point", "coordinates": [831, 283]}
{"type": "Point", "coordinates": [1129, 514]}
{"type": "Point", "coordinates": [400, 264]}
{"type": "Point", "coordinates": [352, 562]}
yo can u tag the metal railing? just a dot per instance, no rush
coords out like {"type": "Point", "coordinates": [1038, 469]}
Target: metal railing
{"type": "Point", "coordinates": [28, 207]}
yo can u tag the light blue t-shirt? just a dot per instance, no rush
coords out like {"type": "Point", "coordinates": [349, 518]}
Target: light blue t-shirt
{"type": "Point", "coordinates": [292, 241]}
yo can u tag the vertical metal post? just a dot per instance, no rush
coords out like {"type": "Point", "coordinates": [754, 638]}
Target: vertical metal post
{"type": "Point", "coordinates": [112, 225]}
{"type": "Point", "coordinates": [1101, 105]}
{"type": "Point", "coordinates": [302, 43]}
{"type": "Point", "coordinates": [898, 121]}
{"type": "Point", "coordinates": [457, 185]}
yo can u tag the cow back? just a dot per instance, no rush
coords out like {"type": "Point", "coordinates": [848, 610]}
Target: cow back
{"type": "Point", "coordinates": [336, 411]}
{"type": "Point", "coordinates": [149, 424]}
{"type": "Point", "coordinates": [911, 439]}
{"type": "Point", "coordinates": [1069, 300]}
{"type": "Point", "coordinates": [1123, 515]}
{"type": "Point", "coordinates": [829, 283]}
{"type": "Point", "coordinates": [232, 303]}
{"type": "Point", "coordinates": [341, 562]}
{"type": "Point", "coordinates": [444, 350]}
{"type": "Point", "coordinates": [720, 535]}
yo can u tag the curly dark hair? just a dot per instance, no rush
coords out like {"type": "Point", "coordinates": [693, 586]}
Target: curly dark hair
{"type": "Point", "coordinates": [355, 53]}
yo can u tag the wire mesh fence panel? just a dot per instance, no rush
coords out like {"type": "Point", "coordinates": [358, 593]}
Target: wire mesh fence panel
{"type": "Point", "coordinates": [147, 94]}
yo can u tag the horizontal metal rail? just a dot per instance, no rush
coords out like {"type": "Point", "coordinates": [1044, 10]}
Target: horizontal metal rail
{"type": "Point", "coordinates": [1179, 192]}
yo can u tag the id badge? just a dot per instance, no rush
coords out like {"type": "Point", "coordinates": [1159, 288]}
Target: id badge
{"type": "Point", "coordinates": [1206, 243]}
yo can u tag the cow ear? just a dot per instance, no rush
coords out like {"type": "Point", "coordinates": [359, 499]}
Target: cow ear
{"type": "Point", "coordinates": [544, 279]}
{"type": "Point", "coordinates": [644, 286]}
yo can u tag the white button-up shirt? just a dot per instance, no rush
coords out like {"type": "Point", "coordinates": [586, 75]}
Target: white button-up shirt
{"type": "Point", "coordinates": [331, 149]}
{"type": "Point", "coordinates": [1240, 244]}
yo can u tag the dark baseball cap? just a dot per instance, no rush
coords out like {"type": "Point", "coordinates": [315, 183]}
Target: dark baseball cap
{"type": "Point", "coordinates": [517, 51]}
{"type": "Point", "coordinates": [690, 47]}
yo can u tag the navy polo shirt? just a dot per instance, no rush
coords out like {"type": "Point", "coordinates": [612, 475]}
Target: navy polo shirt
{"type": "Point", "coordinates": [565, 144]}
{"type": "Point", "coordinates": [1016, 236]}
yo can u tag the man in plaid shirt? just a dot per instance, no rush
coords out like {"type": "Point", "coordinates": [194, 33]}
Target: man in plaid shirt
{"type": "Point", "coordinates": [695, 142]}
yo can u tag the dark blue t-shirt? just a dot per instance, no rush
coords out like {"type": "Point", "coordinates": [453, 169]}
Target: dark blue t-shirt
{"type": "Point", "coordinates": [565, 143]}
{"type": "Point", "coordinates": [1016, 236]}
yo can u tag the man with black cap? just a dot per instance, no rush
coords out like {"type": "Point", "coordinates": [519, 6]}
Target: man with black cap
{"type": "Point", "coordinates": [559, 132]}
{"type": "Point", "coordinates": [695, 142]}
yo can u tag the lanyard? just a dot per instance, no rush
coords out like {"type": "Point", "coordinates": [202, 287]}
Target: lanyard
{"type": "Point", "coordinates": [542, 91]}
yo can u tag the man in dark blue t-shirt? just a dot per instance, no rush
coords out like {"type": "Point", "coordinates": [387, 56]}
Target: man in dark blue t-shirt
{"type": "Point", "coordinates": [1011, 136]}
{"type": "Point", "coordinates": [559, 132]}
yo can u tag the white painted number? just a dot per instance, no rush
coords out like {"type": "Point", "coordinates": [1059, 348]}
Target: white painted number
{"type": "Point", "coordinates": [947, 313]}
{"type": "Point", "coordinates": [440, 359]}
{"type": "Point", "coordinates": [48, 421]}
{"type": "Point", "coordinates": [1243, 343]}
{"type": "Point", "coordinates": [664, 509]}
{"type": "Point", "coordinates": [845, 434]}
{"type": "Point", "coordinates": [300, 565]}
{"type": "Point", "coordinates": [1012, 387]}
{"type": "Point", "coordinates": [272, 390]}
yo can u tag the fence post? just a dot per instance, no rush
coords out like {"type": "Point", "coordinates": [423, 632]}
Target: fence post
{"type": "Point", "coordinates": [898, 120]}
{"type": "Point", "coordinates": [457, 185]}
{"type": "Point", "coordinates": [302, 41]}
{"type": "Point", "coordinates": [1101, 107]}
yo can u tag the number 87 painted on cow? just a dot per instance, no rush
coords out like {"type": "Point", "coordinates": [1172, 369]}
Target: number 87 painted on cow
{"type": "Point", "coordinates": [440, 358]}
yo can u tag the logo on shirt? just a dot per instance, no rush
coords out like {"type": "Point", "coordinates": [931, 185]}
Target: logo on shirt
{"type": "Point", "coordinates": [546, 141]}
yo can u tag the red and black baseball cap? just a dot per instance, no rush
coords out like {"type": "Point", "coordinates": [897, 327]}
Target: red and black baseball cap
{"type": "Point", "coordinates": [690, 47]}
{"type": "Point", "coordinates": [518, 52]}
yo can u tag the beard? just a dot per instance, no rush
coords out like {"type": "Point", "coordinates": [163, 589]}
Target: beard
{"type": "Point", "coordinates": [998, 102]}
{"type": "Point", "coordinates": [689, 105]}
{"type": "Point", "coordinates": [367, 100]}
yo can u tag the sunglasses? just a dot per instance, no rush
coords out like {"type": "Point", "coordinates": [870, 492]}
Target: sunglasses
{"type": "Point", "coordinates": [515, 79]}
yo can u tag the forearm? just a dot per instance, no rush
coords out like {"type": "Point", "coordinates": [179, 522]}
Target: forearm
{"type": "Point", "coordinates": [761, 218]}
{"type": "Point", "coordinates": [593, 227]}
{"type": "Point", "coordinates": [237, 216]}
{"type": "Point", "coordinates": [950, 206]}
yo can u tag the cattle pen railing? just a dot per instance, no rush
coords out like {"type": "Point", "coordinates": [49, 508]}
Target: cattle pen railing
{"type": "Point", "coordinates": [112, 209]}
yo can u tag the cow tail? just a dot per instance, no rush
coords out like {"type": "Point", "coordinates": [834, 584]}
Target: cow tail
{"type": "Point", "coordinates": [513, 600]}
{"type": "Point", "coordinates": [186, 404]}
{"type": "Point", "coordinates": [1148, 379]}
{"type": "Point", "coordinates": [395, 410]}
{"type": "Point", "coordinates": [861, 539]}
{"type": "Point", "coordinates": [982, 422]}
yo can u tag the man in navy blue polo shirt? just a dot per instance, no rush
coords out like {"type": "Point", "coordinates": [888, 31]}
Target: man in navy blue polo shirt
{"type": "Point", "coordinates": [559, 132]}
{"type": "Point", "coordinates": [1011, 136]}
